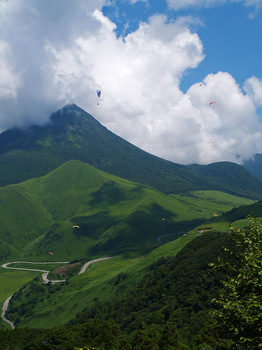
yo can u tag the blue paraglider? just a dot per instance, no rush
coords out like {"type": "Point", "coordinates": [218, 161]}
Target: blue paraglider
{"type": "Point", "coordinates": [98, 92]}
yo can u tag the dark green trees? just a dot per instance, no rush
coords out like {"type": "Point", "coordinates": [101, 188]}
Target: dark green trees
{"type": "Point", "coordinates": [239, 313]}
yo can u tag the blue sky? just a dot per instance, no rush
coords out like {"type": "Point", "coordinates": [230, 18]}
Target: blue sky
{"type": "Point", "coordinates": [230, 37]}
{"type": "Point", "coordinates": [158, 63]}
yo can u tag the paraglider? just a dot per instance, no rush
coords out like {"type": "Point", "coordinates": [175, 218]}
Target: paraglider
{"type": "Point", "coordinates": [76, 228]}
{"type": "Point", "coordinates": [98, 92]}
{"type": "Point", "coordinates": [51, 253]}
{"type": "Point", "coordinates": [211, 103]}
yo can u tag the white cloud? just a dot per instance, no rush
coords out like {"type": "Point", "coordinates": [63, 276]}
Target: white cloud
{"type": "Point", "coordinates": [26, 30]}
{"type": "Point", "coordinates": [253, 87]}
{"type": "Point", "coordinates": [9, 81]}
{"type": "Point", "coordinates": [62, 52]}
{"type": "Point", "coordinates": [230, 123]}
{"type": "Point", "coordinates": [142, 102]}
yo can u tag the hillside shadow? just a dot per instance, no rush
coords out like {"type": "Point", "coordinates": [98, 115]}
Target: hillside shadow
{"type": "Point", "coordinates": [109, 194]}
{"type": "Point", "coordinates": [93, 225]}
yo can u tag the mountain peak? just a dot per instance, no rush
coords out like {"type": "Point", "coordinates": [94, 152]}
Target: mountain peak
{"type": "Point", "coordinates": [72, 133]}
{"type": "Point", "coordinates": [71, 114]}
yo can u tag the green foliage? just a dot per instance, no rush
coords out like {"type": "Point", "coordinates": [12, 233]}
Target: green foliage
{"type": "Point", "coordinates": [239, 313]}
{"type": "Point", "coordinates": [176, 290]}
{"type": "Point", "coordinates": [102, 281]}
{"type": "Point", "coordinates": [99, 335]}
{"type": "Point", "coordinates": [86, 348]}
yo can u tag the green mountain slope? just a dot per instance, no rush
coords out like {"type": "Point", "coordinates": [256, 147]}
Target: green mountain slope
{"type": "Point", "coordinates": [171, 284]}
{"type": "Point", "coordinates": [242, 212]}
{"type": "Point", "coordinates": [114, 215]}
{"type": "Point", "coordinates": [74, 134]}
{"type": "Point", "coordinates": [176, 289]}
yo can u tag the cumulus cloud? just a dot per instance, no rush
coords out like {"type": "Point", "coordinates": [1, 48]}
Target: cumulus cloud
{"type": "Point", "coordinates": [230, 123]}
{"type": "Point", "coordinates": [142, 102]}
{"type": "Point", "coordinates": [253, 87]}
{"type": "Point", "coordinates": [61, 52]}
{"type": "Point", "coordinates": [28, 91]}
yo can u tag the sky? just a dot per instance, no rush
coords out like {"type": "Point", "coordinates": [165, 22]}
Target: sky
{"type": "Point", "coordinates": [158, 63]}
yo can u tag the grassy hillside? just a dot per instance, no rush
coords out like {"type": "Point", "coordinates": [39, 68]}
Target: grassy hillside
{"type": "Point", "coordinates": [171, 284]}
{"type": "Point", "coordinates": [176, 290]}
{"type": "Point", "coordinates": [103, 281]}
{"type": "Point", "coordinates": [115, 216]}
{"type": "Point", "coordinates": [10, 282]}
{"type": "Point", "coordinates": [74, 134]}
{"type": "Point", "coordinates": [237, 216]}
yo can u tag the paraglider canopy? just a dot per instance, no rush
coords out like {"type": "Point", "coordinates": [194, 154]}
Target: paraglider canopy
{"type": "Point", "coordinates": [51, 253]}
{"type": "Point", "coordinates": [98, 92]}
{"type": "Point", "coordinates": [75, 226]}
{"type": "Point", "coordinates": [211, 103]}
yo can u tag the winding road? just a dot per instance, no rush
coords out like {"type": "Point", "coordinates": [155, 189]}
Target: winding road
{"type": "Point", "coordinates": [4, 310]}
{"type": "Point", "coordinates": [91, 262]}
{"type": "Point", "coordinates": [44, 276]}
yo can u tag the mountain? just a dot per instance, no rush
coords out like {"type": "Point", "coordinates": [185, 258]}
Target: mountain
{"type": "Point", "coordinates": [254, 166]}
{"type": "Point", "coordinates": [111, 215]}
{"type": "Point", "coordinates": [74, 134]}
{"type": "Point", "coordinates": [241, 213]}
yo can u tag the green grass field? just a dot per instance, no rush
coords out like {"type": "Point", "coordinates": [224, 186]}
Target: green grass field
{"type": "Point", "coordinates": [11, 281]}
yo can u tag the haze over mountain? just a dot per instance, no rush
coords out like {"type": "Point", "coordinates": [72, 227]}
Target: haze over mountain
{"type": "Point", "coordinates": [74, 134]}
{"type": "Point", "coordinates": [254, 166]}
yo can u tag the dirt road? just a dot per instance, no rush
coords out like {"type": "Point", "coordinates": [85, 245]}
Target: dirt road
{"type": "Point", "coordinates": [4, 311]}
{"type": "Point", "coordinates": [91, 262]}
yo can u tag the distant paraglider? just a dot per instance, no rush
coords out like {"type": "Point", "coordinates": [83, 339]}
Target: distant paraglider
{"type": "Point", "coordinates": [98, 92]}
{"type": "Point", "coordinates": [51, 253]}
{"type": "Point", "coordinates": [76, 228]}
{"type": "Point", "coordinates": [212, 102]}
